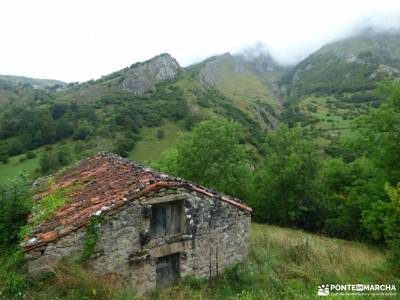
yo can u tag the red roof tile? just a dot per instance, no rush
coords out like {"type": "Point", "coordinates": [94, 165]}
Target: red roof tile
{"type": "Point", "coordinates": [103, 183]}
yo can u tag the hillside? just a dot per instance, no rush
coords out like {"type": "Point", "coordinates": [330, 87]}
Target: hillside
{"type": "Point", "coordinates": [292, 176]}
{"type": "Point", "coordinates": [123, 112]}
{"type": "Point", "coordinates": [20, 93]}
{"type": "Point", "coordinates": [36, 83]}
{"type": "Point", "coordinates": [138, 110]}
{"type": "Point", "coordinates": [250, 81]}
{"type": "Point", "coordinates": [284, 264]}
{"type": "Point", "coordinates": [337, 83]}
{"type": "Point", "coordinates": [350, 65]}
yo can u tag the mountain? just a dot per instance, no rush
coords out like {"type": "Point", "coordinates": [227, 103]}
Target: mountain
{"type": "Point", "coordinates": [19, 88]}
{"type": "Point", "coordinates": [137, 111]}
{"type": "Point", "coordinates": [143, 77]}
{"type": "Point", "coordinates": [348, 65]}
{"type": "Point", "coordinates": [249, 80]}
{"type": "Point", "coordinates": [337, 83]}
{"type": "Point", "coordinates": [12, 81]}
{"type": "Point", "coordinates": [150, 81]}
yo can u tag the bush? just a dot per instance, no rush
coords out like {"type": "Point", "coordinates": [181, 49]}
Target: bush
{"type": "Point", "coordinates": [190, 121]}
{"type": "Point", "coordinates": [212, 155]}
{"type": "Point", "coordinates": [394, 256]}
{"type": "Point", "coordinates": [15, 205]}
{"type": "Point", "coordinates": [73, 281]}
{"type": "Point", "coordinates": [288, 193]}
{"type": "Point", "coordinates": [4, 158]}
{"type": "Point", "coordinates": [82, 132]}
{"type": "Point", "coordinates": [52, 159]}
{"type": "Point", "coordinates": [30, 155]}
{"type": "Point", "coordinates": [123, 146]}
{"type": "Point", "coordinates": [194, 282]}
{"type": "Point", "coordinates": [160, 134]}
{"type": "Point", "coordinates": [13, 279]}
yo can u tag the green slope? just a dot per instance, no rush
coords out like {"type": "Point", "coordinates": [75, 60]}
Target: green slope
{"type": "Point", "coordinates": [250, 88]}
{"type": "Point", "coordinates": [283, 264]}
{"type": "Point", "coordinates": [337, 83]}
{"type": "Point", "coordinates": [349, 65]}
{"type": "Point", "coordinates": [17, 165]}
{"type": "Point", "coordinates": [153, 143]}
{"type": "Point", "coordinates": [119, 112]}
{"type": "Point", "coordinates": [125, 109]}
{"type": "Point", "coordinates": [38, 83]}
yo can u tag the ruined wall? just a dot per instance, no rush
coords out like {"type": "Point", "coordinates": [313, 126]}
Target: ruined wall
{"type": "Point", "coordinates": [214, 235]}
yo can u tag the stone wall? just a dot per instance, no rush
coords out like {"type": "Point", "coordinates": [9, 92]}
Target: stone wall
{"type": "Point", "coordinates": [214, 235]}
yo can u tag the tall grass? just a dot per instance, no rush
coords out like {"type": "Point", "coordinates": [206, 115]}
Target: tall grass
{"type": "Point", "coordinates": [283, 264]}
{"type": "Point", "coordinates": [290, 264]}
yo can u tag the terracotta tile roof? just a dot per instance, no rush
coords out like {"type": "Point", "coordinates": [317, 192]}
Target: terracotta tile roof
{"type": "Point", "coordinates": [101, 184]}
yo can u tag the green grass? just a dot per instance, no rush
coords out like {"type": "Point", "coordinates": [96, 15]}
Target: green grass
{"type": "Point", "coordinates": [290, 264]}
{"type": "Point", "coordinates": [331, 115]}
{"type": "Point", "coordinates": [244, 90]}
{"type": "Point", "coordinates": [44, 209]}
{"type": "Point", "coordinates": [324, 113]}
{"type": "Point", "coordinates": [15, 167]}
{"type": "Point", "coordinates": [283, 264]}
{"type": "Point", "coordinates": [150, 146]}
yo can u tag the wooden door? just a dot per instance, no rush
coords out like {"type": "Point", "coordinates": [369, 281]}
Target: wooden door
{"type": "Point", "coordinates": [167, 270]}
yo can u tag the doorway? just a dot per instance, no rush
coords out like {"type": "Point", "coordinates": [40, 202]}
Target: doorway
{"type": "Point", "coordinates": [167, 270]}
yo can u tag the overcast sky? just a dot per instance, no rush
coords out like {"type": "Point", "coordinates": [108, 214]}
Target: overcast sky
{"type": "Point", "coordinates": [75, 40]}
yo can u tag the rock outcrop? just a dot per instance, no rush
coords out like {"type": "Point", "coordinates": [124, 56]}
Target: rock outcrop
{"type": "Point", "coordinates": [143, 77]}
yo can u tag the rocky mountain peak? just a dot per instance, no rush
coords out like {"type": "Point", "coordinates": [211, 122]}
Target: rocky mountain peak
{"type": "Point", "coordinates": [142, 77]}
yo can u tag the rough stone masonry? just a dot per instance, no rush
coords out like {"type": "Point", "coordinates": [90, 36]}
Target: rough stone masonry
{"type": "Point", "coordinates": [154, 228]}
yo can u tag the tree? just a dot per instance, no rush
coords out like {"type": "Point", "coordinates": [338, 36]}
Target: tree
{"type": "Point", "coordinates": [379, 132]}
{"type": "Point", "coordinates": [15, 205]}
{"type": "Point", "coordinates": [357, 188]}
{"type": "Point", "coordinates": [82, 131]}
{"type": "Point", "coordinates": [351, 190]}
{"type": "Point", "coordinates": [30, 154]}
{"type": "Point", "coordinates": [52, 159]}
{"type": "Point", "coordinates": [383, 221]}
{"type": "Point", "coordinates": [47, 160]}
{"type": "Point", "coordinates": [287, 191]}
{"type": "Point", "coordinates": [160, 134]}
{"type": "Point", "coordinates": [392, 226]}
{"type": "Point", "coordinates": [58, 110]}
{"type": "Point", "coordinates": [211, 155]}
{"type": "Point", "coordinates": [124, 145]}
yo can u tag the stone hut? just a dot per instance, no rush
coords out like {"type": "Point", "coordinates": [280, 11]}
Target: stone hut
{"type": "Point", "coordinates": [150, 228]}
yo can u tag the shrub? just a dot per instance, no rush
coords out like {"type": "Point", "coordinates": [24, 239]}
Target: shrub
{"type": "Point", "coordinates": [160, 134]}
{"type": "Point", "coordinates": [212, 154]}
{"type": "Point", "coordinates": [93, 231]}
{"type": "Point", "coordinates": [30, 154]}
{"type": "Point", "coordinates": [4, 158]}
{"type": "Point", "coordinates": [288, 193]}
{"type": "Point", "coordinates": [52, 159]}
{"type": "Point", "coordinates": [15, 205]}
{"type": "Point", "coordinates": [124, 145]}
{"type": "Point", "coordinates": [394, 256]}
{"type": "Point", "coordinates": [82, 132]}
{"type": "Point", "coordinates": [13, 279]}
{"type": "Point", "coordinates": [71, 280]}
